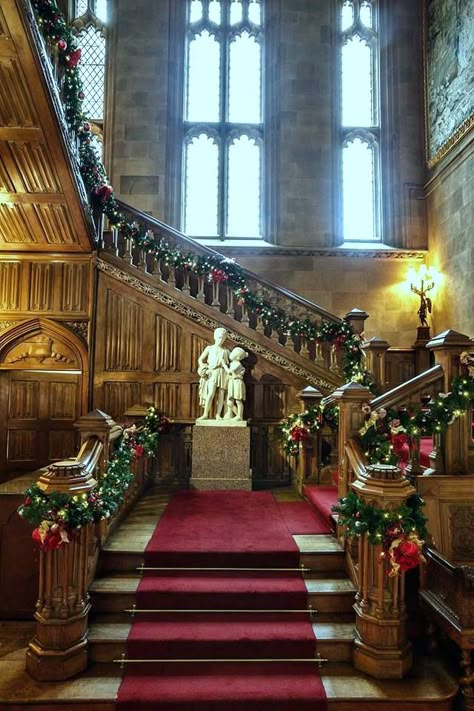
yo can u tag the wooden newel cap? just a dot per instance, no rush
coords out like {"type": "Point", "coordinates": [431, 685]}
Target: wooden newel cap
{"type": "Point", "coordinates": [67, 477]}
{"type": "Point", "coordinates": [386, 472]}
{"type": "Point", "coordinates": [310, 395]}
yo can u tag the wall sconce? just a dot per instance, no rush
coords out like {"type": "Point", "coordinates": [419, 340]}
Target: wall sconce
{"type": "Point", "coordinates": [421, 282]}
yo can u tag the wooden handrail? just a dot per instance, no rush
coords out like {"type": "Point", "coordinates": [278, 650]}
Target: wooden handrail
{"type": "Point", "coordinates": [399, 394]}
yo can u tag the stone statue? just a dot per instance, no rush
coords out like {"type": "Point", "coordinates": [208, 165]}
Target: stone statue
{"type": "Point", "coordinates": [213, 370]}
{"type": "Point", "coordinates": [236, 385]}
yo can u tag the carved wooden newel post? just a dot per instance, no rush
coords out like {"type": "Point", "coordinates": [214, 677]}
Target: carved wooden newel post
{"type": "Point", "coordinates": [447, 347]}
{"type": "Point", "coordinates": [59, 647]}
{"type": "Point", "coordinates": [349, 398]}
{"type": "Point", "coordinates": [381, 646]}
{"type": "Point", "coordinates": [308, 460]}
{"type": "Point", "coordinates": [375, 351]}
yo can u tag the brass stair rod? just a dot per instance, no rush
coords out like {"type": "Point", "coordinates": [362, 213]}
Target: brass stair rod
{"type": "Point", "coordinates": [123, 660]}
{"type": "Point", "coordinates": [310, 610]}
{"type": "Point", "coordinates": [301, 569]}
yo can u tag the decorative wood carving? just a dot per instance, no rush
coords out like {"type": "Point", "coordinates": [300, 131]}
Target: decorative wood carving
{"type": "Point", "coordinates": [55, 224]}
{"type": "Point", "coordinates": [119, 396]}
{"type": "Point", "coordinates": [168, 397]}
{"type": "Point", "coordinates": [16, 107]}
{"type": "Point", "coordinates": [41, 350]}
{"type": "Point", "coordinates": [124, 335]}
{"type": "Point", "coordinates": [24, 399]}
{"type": "Point", "coordinates": [41, 286]}
{"type": "Point", "coordinates": [75, 287]}
{"type": "Point", "coordinates": [10, 276]}
{"type": "Point", "coordinates": [461, 517]}
{"type": "Point", "coordinates": [34, 167]}
{"type": "Point", "coordinates": [80, 328]}
{"type": "Point", "coordinates": [168, 342]}
{"type": "Point", "coordinates": [14, 225]}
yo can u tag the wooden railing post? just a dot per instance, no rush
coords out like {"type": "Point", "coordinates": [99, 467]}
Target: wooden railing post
{"type": "Point", "coordinates": [447, 347]}
{"type": "Point", "coordinates": [381, 646]}
{"type": "Point", "coordinates": [349, 398]}
{"type": "Point", "coordinates": [375, 351]}
{"type": "Point", "coordinates": [308, 458]}
{"type": "Point", "coordinates": [356, 320]}
{"type": "Point", "coordinates": [100, 425]}
{"type": "Point", "coordinates": [59, 647]}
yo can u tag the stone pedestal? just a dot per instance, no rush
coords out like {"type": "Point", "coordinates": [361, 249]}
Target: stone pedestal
{"type": "Point", "coordinates": [221, 456]}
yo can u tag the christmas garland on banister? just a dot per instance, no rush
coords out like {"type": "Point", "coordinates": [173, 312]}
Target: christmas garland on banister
{"type": "Point", "coordinates": [400, 531]}
{"type": "Point", "coordinates": [215, 268]}
{"type": "Point", "coordinates": [385, 433]}
{"type": "Point", "coordinates": [57, 517]}
{"type": "Point", "coordinates": [298, 428]}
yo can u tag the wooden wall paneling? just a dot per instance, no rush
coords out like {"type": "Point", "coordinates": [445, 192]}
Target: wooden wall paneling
{"type": "Point", "coordinates": [123, 333]}
{"type": "Point", "coordinates": [119, 396]}
{"type": "Point", "coordinates": [10, 283]}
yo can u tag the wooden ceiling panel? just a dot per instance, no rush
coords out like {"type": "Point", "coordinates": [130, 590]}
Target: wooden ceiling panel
{"type": "Point", "coordinates": [42, 200]}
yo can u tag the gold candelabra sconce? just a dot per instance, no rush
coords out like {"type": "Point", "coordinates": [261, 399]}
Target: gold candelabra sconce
{"type": "Point", "coordinates": [422, 282]}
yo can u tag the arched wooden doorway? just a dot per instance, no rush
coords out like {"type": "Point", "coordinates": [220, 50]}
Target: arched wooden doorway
{"type": "Point", "coordinates": [43, 377]}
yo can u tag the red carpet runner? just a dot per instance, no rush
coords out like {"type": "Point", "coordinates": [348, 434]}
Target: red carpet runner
{"type": "Point", "coordinates": [222, 529]}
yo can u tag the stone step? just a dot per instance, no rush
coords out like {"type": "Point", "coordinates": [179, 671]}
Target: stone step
{"type": "Point", "coordinates": [330, 595]}
{"type": "Point", "coordinates": [116, 592]}
{"type": "Point", "coordinates": [428, 686]}
{"type": "Point", "coordinates": [107, 641]}
{"type": "Point", "coordinates": [320, 553]}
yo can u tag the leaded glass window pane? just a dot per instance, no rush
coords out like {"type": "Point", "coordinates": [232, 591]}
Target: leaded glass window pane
{"type": "Point", "coordinates": [347, 15]}
{"type": "Point", "coordinates": [201, 187]}
{"type": "Point", "coordinates": [243, 200]}
{"type": "Point", "coordinates": [357, 83]}
{"type": "Point", "coordinates": [215, 11]}
{"type": "Point", "coordinates": [203, 100]}
{"type": "Point", "coordinates": [359, 191]}
{"type": "Point", "coordinates": [81, 7]}
{"type": "Point", "coordinates": [245, 80]}
{"type": "Point", "coordinates": [101, 10]}
{"type": "Point", "coordinates": [236, 12]}
{"type": "Point", "coordinates": [92, 71]}
{"type": "Point", "coordinates": [366, 14]}
{"type": "Point", "coordinates": [195, 10]}
{"type": "Point", "coordinates": [255, 12]}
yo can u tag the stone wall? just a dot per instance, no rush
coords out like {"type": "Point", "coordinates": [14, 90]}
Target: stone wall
{"type": "Point", "coordinates": [450, 206]}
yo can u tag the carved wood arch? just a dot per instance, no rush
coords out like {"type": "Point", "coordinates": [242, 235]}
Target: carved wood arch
{"type": "Point", "coordinates": [43, 344]}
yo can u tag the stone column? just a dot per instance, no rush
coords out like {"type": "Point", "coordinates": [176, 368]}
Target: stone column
{"type": "Point", "coordinates": [381, 646]}
{"type": "Point", "coordinates": [375, 351]}
{"type": "Point", "coordinates": [447, 347]}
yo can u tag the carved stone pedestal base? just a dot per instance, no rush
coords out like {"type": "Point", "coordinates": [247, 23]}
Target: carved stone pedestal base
{"type": "Point", "coordinates": [221, 457]}
{"type": "Point", "coordinates": [59, 649]}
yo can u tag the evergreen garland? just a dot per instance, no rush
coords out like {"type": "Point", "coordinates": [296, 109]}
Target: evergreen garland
{"type": "Point", "coordinates": [359, 517]}
{"type": "Point", "coordinates": [58, 516]}
{"type": "Point", "coordinates": [298, 428]}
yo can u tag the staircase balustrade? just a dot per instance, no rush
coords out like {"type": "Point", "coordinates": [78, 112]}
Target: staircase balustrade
{"type": "Point", "coordinates": [218, 295]}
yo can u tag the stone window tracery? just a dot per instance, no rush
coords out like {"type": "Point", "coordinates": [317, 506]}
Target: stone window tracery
{"type": "Point", "coordinates": [360, 122]}
{"type": "Point", "coordinates": [223, 119]}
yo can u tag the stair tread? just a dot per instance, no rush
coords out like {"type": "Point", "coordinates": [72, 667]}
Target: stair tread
{"type": "Point", "coordinates": [317, 543]}
{"type": "Point", "coordinates": [329, 585]}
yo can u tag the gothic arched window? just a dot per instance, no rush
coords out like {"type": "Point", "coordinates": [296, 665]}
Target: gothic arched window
{"type": "Point", "coordinates": [89, 22]}
{"type": "Point", "coordinates": [223, 121]}
{"type": "Point", "coordinates": [360, 140]}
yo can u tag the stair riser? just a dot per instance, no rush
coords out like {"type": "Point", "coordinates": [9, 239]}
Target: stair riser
{"type": "Point", "coordinates": [118, 561]}
{"type": "Point", "coordinates": [331, 602]}
{"type": "Point", "coordinates": [384, 704]}
{"type": "Point", "coordinates": [329, 562]}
